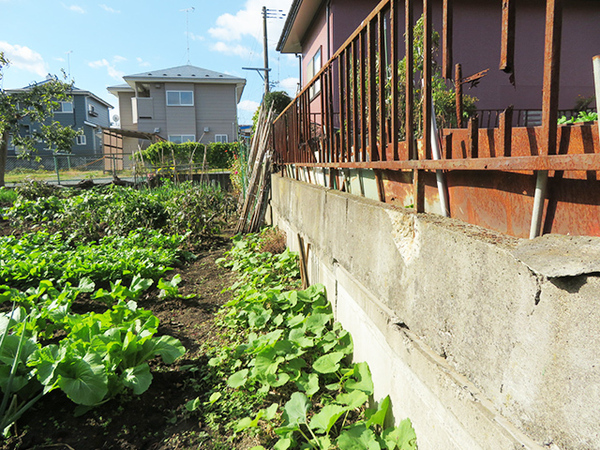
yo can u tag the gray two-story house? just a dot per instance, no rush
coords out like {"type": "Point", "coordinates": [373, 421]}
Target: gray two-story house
{"type": "Point", "coordinates": [180, 104]}
{"type": "Point", "coordinates": [84, 111]}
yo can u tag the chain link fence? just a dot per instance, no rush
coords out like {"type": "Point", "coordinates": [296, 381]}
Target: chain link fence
{"type": "Point", "coordinates": [55, 167]}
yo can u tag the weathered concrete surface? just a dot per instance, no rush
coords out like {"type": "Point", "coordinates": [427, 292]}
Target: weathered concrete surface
{"type": "Point", "coordinates": [479, 349]}
{"type": "Point", "coordinates": [556, 255]}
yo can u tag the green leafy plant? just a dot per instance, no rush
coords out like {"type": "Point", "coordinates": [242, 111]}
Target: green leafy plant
{"type": "Point", "coordinates": [103, 354]}
{"type": "Point", "coordinates": [198, 210]}
{"type": "Point", "coordinates": [218, 155]}
{"type": "Point", "coordinates": [19, 387]}
{"type": "Point", "coordinates": [581, 117]}
{"type": "Point", "coordinates": [43, 256]}
{"type": "Point", "coordinates": [293, 351]}
{"type": "Point", "coordinates": [7, 195]}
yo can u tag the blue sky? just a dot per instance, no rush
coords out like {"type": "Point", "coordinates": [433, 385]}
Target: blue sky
{"type": "Point", "coordinates": [100, 41]}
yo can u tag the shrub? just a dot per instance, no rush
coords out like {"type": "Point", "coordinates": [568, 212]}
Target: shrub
{"type": "Point", "coordinates": [218, 155]}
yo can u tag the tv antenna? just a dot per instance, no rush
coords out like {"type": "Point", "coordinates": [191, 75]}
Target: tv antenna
{"type": "Point", "coordinates": [69, 62]}
{"type": "Point", "coordinates": [187, 29]}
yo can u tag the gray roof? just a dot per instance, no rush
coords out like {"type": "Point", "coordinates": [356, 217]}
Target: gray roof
{"type": "Point", "coordinates": [188, 73]}
{"type": "Point", "coordinates": [74, 91]}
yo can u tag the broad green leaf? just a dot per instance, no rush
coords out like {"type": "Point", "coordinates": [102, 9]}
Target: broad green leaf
{"type": "Point", "coordinates": [328, 363]}
{"type": "Point", "coordinates": [363, 380]}
{"type": "Point", "coordinates": [139, 284]}
{"type": "Point", "coordinates": [259, 318]}
{"type": "Point", "coordinates": [308, 383]}
{"type": "Point", "coordinates": [167, 347]}
{"type": "Point", "coordinates": [315, 323]}
{"type": "Point", "coordinates": [283, 444]}
{"type": "Point", "coordinates": [238, 379]}
{"type": "Point", "coordinates": [358, 437]}
{"type": "Point", "coordinates": [354, 399]}
{"type": "Point", "coordinates": [86, 285]}
{"type": "Point", "coordinates": [324, 442]}
{"type": "Point", "coordinates": [402, 437]}
{"type": "Point", "coordinates": [247, 422]}
{"type": "Point", "coordinates": [377, 416]}
{"type": "Point", "coordinates": [193, 405]}
{"type": "Point", "coordinates": [326, 418]}
{"type": "Point", "coordinates": [271, 411]}
{"type": "Point", "coordinates": [294, 411]}
{"type": "Point", "coordinates": [298, 336]}
{"type": "Point", "coordinates": [46, 360]}
{"type": "Point", "coordinates": [214, 397]}
{"type": "Point", "coordinates": [137, 378]}
{"type": "Point", "coordinates": [277, 380]}
{"type": "Point", "coordinates": [84, 380]}
{"type": "Point", "coordinates": [296, 320]}
{"type": "Point", "coordinates": [242, 424]}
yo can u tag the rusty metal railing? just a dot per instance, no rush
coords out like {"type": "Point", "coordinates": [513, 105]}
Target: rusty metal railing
{"type": "Point", "coordinates": [357, 120]}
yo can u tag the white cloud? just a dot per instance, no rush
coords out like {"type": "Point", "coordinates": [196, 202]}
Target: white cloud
{"type": "Point", "coordinates": [109, 9]}
{"type": "Point", "coordinates": [248, 21]}
{"type": "Point", "coordinates": [248, 105]}
{"type": "Point", "coordinates": [118, 58]}
{"type": "Point", "coordinates": [290, 85]}
{"type": "Point", "coordinates": [195, 37]}
{"type": "Point", "coordinates": [142, 63]}
{"type": "Point", "coordinates": [24, 58]}
{"type": "Point", "coordinates": [227, 49]}
{"type": "Point", "coordinates": [74, 8]}
{"type": "Point", "coordinates": [110, 68]}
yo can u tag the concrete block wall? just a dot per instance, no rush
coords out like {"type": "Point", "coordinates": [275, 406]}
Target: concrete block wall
{"type": "Point", "coordinates": [472, 338]}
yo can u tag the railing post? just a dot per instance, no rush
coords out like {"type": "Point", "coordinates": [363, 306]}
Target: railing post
{"type": "Point", "coordinates": [408, 126]}
{"type": "Point", "coordinates": [427, 71]}
{"type": "Point", "coordinates": [505, 130]}
{"type": "Point", "coordinates": [596, 64]}
{"type": "Point", "coordinates": [372, 97]}
{"type": "Point", "coordinates": [447, 29]}
{"type": "Point", "coordinates": [458, 95]}
{"type": "Point", "coordinates": [382, 80]}
{"type": "Point", "coordinates": [549, 107]}
{"type": "Point", "coordinates": [507, 51]}
{"type": "Point", "coordinates": [394, 76]}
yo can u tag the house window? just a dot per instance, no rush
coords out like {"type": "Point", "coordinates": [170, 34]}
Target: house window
{"type": "Point", "coordinates": [222, 138]}
{"type": "Point", "coordinates": [314, 65]}
{"type": "Point", "coordinates": [80, 140]}
{"type": "Point", "coordinates": [92, 111]}
{"type": "Point", "coordinates": [181, 138]}
{"type": "Point", "coordinates": [64, 107]}
{"type": "Point", "coordinates": [180, 98]}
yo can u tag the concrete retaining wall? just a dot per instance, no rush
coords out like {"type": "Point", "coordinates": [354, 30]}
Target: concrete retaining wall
{"type": "Point", "coordinates": [484, 341]}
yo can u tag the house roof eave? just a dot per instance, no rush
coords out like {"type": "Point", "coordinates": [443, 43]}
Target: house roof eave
{"type": "Point", "coordinates": [299, 19]}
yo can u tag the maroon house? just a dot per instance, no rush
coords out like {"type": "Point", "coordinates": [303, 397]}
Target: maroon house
{"type": "Point", "coordinates": [317, 28]}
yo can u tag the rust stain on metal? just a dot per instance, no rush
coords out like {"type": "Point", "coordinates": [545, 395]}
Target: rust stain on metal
{"type": "Point", "coordinates": [458, 95]}
{"type": "Point", "coordinates": [447, 31]}
{"type": "Point", "coordinates": [490, 172]}
{"type": "Point", "coordinates": [507, 51]}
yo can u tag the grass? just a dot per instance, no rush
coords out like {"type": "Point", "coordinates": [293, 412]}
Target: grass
{"type": "Point", "coordinates": [18, 176]}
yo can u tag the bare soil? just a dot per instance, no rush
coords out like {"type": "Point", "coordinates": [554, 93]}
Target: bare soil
{"type": "Point", "coordinates": [157, 419]}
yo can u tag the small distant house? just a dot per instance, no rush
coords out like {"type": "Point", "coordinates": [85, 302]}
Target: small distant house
{"type": "Point", "coordinates": [85, 111]}
{"type": "Point", "coordinates": [179, 104]}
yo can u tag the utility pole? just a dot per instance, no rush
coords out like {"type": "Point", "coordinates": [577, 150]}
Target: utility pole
{"type": "Point", "coordinates": [265, 49]}
{"type": "Point", "coordinates": [268, 14]}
